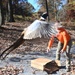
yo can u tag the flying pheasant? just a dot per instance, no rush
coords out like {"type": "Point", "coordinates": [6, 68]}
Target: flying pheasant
{"type": "Point", "coordinates": [38, 29]}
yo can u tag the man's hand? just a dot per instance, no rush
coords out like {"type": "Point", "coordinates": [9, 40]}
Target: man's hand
{"type": "Point", "coordinates": [62, 51]}
{"type": "Point", "coordinates": [48, 49]}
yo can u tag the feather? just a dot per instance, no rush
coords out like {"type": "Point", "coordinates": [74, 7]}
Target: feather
{"type": "Point", "coordinates": [12, 47]}
{"type": "Point", "coordinates": [39, 29]}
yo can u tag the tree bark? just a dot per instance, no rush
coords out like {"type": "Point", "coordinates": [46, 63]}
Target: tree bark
{"type": "Point", "coordinates": [10, 11]}
{"type": "Point", "coordinates": [47, 9]}
{"type": "Point", "coordinates": [2, 13]}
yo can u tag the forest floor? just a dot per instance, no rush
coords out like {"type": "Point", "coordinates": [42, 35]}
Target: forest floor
{"type": "Point", "coordinates": [29, 50]}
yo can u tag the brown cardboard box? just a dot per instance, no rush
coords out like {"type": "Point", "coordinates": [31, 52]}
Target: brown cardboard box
{"type": "Point", "coordinates": [41, 63]}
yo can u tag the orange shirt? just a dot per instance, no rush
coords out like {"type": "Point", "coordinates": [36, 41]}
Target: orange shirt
{"type": "Point", "coordinates": [62, 36]}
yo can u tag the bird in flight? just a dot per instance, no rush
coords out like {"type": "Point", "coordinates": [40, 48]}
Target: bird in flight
{"type": "Point", "coordinates": [38, 29]}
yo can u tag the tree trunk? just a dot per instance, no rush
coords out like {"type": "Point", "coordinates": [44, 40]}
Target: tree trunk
{"type": "Point", "coordinates": [0, 13]}
{"type": "Point", "coordinates": [10, 11]}
{"type": "Point", "coordinates": [47, 9]}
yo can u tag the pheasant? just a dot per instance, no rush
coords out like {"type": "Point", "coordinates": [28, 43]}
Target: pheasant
{"type": "Point", "coordinates": [38, 29]}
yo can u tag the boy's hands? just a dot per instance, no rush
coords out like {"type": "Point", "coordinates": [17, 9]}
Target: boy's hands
{"type": "Point", "coordinates": [48, 49]}
{"type": "Point", "coordinates": [62, 51]}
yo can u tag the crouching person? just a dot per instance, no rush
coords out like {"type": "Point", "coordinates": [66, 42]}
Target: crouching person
{"type": "Point", "coordinates": [64, 45]}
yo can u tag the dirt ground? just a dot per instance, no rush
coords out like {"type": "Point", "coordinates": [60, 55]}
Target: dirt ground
{"type": "Point", "coordinates": [10, 32]}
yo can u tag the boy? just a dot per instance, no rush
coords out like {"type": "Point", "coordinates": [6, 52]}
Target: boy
{"type": "Point", "coordinates": [64, 44]}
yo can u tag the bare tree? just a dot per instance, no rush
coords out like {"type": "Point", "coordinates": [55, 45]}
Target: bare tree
{"type": "Point", "coordinates": [10, 11]}
{"type": "Point", "coordinates": [0, 12]}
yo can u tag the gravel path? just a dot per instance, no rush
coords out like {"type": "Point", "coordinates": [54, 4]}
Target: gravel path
{"type": "Point", "coordinates": [24, 62]}
{"type": "Point", "coordinates": [22, 56]}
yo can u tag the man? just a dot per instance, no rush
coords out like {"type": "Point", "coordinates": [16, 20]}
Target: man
{"type": "Point", "coordinates": [64, 44]}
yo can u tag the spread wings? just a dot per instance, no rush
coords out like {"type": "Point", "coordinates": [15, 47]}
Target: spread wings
{"type": "Point", "coordinates": [39, 29]}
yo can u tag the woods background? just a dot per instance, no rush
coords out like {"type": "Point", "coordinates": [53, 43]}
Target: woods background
{"type": "Point", "coordinates": [12, 10]}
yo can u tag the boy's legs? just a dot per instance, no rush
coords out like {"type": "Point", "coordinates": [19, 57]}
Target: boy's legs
{"type": "Point", "coordinates": [68, 56]}
{"type": "Point", "coordinates": [60, 45]}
